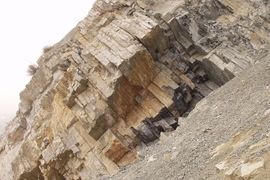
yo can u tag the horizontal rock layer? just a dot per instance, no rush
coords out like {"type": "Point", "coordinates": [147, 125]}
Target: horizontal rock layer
{"type": "Point", "coordinates": [123, 75]}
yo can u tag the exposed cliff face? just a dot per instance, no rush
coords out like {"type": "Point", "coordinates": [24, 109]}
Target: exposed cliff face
{"type": "Point", "coordinates": [225, 137]}
{"type": "Point", "coordinates": [123, 75]}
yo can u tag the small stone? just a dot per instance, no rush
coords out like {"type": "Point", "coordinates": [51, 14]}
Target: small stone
{"type": "Point", "coordinates": [152, 158]}
{"type": "Point", "coordinates": [166, 158]}
{"type": "Point", "coordinates": [221, 166]}
{"type": "Point", "coordinates": [139, 98]}
{"type": "Point", "coordinates": [158, 16]}
{"type": "Point", "coordinates": [141, 155]}
{"type": "Point", "coordinates": [131, 11]}
{"type": "Point", "coordinates": [45, 142]}
{"type": "Point", "coordinates": [63, 65]}
{"type": "Point", "coordinates": [141, 4]}
{"type": "Point", "coordinates": [163, 137]}
{"type": "Point", "coordinates": [206, 130]}
{"type": "Point", "coordinates": [42, 161]}
{"type": "Point", "coordinates": [267, 112]}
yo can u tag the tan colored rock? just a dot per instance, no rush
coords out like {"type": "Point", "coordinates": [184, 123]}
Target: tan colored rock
{"type": "Point", "coordinates": [249, 169]}
{"type": "Point", "coordinates": [141, 4]}
{"type": "Point", "coordinates": [114, 80]}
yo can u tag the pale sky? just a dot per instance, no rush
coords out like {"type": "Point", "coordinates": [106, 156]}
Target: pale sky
{"type": "Point", "coordinates": [26, 27]}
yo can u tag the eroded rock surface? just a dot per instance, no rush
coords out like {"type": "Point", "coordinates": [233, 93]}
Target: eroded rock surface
{"type": "Point", "coordinates": [122, 76]}
{"type": "Point", "coordinates": [226, 136]}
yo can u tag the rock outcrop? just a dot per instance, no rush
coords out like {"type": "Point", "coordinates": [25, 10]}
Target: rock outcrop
{"type": "Point", "coordinates": [226, 136]}
{"type": "Point", "coordinates": [122, 76]}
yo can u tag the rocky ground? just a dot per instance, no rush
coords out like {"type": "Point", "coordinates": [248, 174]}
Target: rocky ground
{"type": "Point", "coordinates": [225, 137]}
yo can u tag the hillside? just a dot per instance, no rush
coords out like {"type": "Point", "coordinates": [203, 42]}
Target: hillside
{"type": "Point", "coordinates": [149, 90]}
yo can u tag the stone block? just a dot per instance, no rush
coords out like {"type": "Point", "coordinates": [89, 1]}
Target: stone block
{"type": "Point", "coordinates": [109, 165]}
{"type": "Point", "coordinates": [162, 124]}
{"type": "Point", "coordinates": [84, 134]}
{"type": "Point", "coordinates": [249, 169]}
{"type": "Point", "coordinates": [99, 128]}
{"type": "Point", "coordinates": [128, 158]}
{"type": "Point", "coordinates": [162, 80]}
{"type": "Point", "coordinates": [93, 166]}
{"type": "Point", "coordinates": [187, 81]}
{"type": "Point", "coordinates": [115, 150]}
{"type": "Point", "coordinates": [48, 154]}
{"type": "Point", "coordinates": [161, 95]}
{"type": "Point", "coordinates": [152, 106]}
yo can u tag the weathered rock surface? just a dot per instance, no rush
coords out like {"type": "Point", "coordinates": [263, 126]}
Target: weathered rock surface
{"type": "Point", "coordinates": [226, 136]}
{"type": "Point", "coordinates": [122, 76]}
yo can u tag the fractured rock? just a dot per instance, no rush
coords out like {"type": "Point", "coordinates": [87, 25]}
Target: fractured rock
{"type": "Point", "coordinates": [63, 65]}
{"type": "Point", "coordinates": [129, 73]}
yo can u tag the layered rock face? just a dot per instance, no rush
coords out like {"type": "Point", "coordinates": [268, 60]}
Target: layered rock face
{"type": "Point", "coordinates": [123, 75]}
